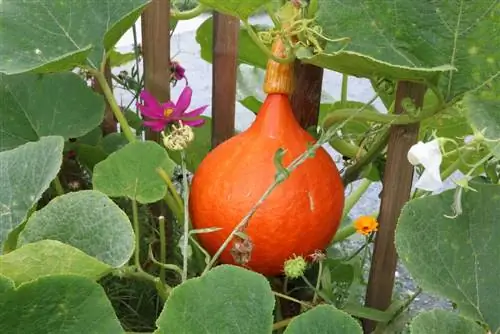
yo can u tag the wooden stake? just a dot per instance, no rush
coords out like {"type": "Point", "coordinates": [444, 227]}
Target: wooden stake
{"type": "Point", "coordinates": [225, 59]}
{"type": "Point", "coordinates": [156, 52]}
{"type": "Point", "coordinates": [306, 98]}
{"type": "Point", "coordinates": [398, 178]}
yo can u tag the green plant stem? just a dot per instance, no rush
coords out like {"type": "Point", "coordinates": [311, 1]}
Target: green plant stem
{"type": "Point", "coordinates": [325, 137]}
{"type": "Point", "coordinates": [345, 148]}
{"type": "Point", "coordinates": [185, 243]}
{"type": "Point", "coordinates": [163, 247]}
{"type": "Point", "coordinates": [344, 233]}
{"type": "Point", "coordinates": [133, 272]}
{"type": "Point", "coordinates": [355, 196]}
{"type": "Point", "coordinates": [282, 323]}
{"type": "Point", "coordinates": [172, 204]}
{"type": "Point", "coordinates": [372, 116]}
{"type": "Point", "coordinates": [264, 48]}
{"type": "Point", "coordinates": [353, 171]}
{"type": "Point", "coordinates": [58, 186]}
{"type": "Point", "coordinates": [270, 11]}
{"type": "Point", "coordinates": [162, 264]}
{"type": "Point", "coordinates": [318, 282]}
{"type": "Point", "coordinates": [188, 14]}
{"type": "Point", "coordinates": [343, 93]}
{"type": "Point", "coordinates": [108, 94]}
{"type": "Point", "coordinates": [300, 302]}
{"type": "Point", "coordinates": [170, 186]}
{"type": "Point", "coordinates": [137, 232]}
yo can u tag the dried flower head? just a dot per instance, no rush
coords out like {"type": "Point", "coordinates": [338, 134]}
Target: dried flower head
{"type": "Point", "coordinates": [242, 251]}
{"type": "Point", "coordinates": [295, 267]}
{"type": "Point", "coordinates": [318, 256]}
{"type": "Point", "coordinates": [366, 224]}
{"type": "Point", "coordinates": [178, 138]}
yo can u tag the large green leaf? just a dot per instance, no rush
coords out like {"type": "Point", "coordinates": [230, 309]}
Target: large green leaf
{"type": "Point", "coordinates": [131, 172]}
{"type": "Point", "coordinates": [241, 9]}
{"type": "Point", "coordinates": [456, 258]}
{"type": "Point", "coordinates": [5, 284]}
{"type": "Point", "coordinates": [228, 299]}
{"type": "Point", "coordinates": [415, 40]}
{"type": "Point", "coordinates": [484, 115]}
{"type": "Point", "coordinates": [35, 105]}
{"type": "Point", "coordinates": [248, 52]}
{"type": "Point", "coordinates": [58, 305]}
{"type": "Point", "coordinates": [87, 220]}
{"type": "Point", "coordinates": [198, 148]}
{"type": "Point", "coordinates": [49, 257]}
{"type": "Point", "coordinates": [26, 172]}
{"type": "Point", "coordinates": [48, 36]}
{"type": "Point", "coordinates": [443, 322]}
{"type": "Point", "coordinates": [324, 319]}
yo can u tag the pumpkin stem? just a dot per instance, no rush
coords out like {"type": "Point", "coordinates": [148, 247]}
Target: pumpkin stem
{"type": "Point", "coordinates": [279, 77]}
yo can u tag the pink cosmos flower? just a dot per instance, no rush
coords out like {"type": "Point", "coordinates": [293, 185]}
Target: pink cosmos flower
{"type": "Point", "coordinates": [161, 114]}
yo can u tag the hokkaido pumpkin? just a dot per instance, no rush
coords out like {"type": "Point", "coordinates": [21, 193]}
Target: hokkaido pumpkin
{"type": "Point", "coordinates": [300, 216]}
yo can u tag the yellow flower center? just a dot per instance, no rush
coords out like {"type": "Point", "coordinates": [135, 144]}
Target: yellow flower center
{"type": "Point", "coordinates": [167, 112]}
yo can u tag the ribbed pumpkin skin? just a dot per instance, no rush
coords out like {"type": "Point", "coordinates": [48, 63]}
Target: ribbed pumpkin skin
{"type": "Point", "coordinates": [300, 216]}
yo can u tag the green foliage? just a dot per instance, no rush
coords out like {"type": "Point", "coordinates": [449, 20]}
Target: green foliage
{"type": "Point", "coordinates": [57, 304]}
{"type": "Point", "coordinates": [323, 319]}
{"type": "Point", "coordinates": [443, 322]}
{"type": "Point", "coordinates": [455, 257]}
{"type": "Point", "coordinates": [49, 257]}
{"type": "Point", "coordinates": [411, 48]}
{"type": "Point", "coordinates": [483, 114]}
{"type": "Point", "coordinates": [47, 36]}
{"type": "Point", "coordinates": [241, 9]}
{"type": "Point", "coordinates": [227, 299]}
{"type": "Point", "coordinates": [34, 106]}
{"type": "Point", "coordinates": [87, 220]}
{"type": "Point", "coordinates": [33, 166]}
{"type": "Point", "coordinates": [248, 52]}
{"type": "Point", "coordinates": [131, 172]}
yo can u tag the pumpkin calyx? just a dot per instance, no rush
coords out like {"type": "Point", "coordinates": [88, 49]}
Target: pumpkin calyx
{"type": "Point", "coordinates": [279, 77]}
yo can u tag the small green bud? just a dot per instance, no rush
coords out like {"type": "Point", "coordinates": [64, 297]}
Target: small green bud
{"type": "Point", "coordinates": [295, 267]}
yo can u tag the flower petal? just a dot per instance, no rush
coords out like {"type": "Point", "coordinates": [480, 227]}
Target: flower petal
{"type": "Point", "coordinates": [184, 100]}
{"type": "Point", "coordinates": [150, 112]}
{"type": "Point", "coordinates": [196, 112]}
{"type": "Point", "coordinates": [156, 126]}
{"type": "Point", "coordinates": [428, 155]}
{"type": "Point", "coordinates": [149, 100]}
{"type": "Point", "coordinates": [194, 123]}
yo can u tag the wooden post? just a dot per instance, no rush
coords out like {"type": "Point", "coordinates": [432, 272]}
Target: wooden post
{"type": "Point", "coordinates": [306, 97]}
{"type": "Point", "coordinates": [156, 52]}
{"type": "Point", "coordinates": [225, 62]}
{"type": "Point", "coordinates": [398, 178]}
{"type": "Point", "coordinates": [108, 124]}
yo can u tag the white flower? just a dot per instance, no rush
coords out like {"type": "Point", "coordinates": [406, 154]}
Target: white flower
{"type": "Point", "coordinates": [428, 155]}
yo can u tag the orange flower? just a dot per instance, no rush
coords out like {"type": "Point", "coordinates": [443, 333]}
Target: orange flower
{"type": "Point", "coordinates": [366, 224]}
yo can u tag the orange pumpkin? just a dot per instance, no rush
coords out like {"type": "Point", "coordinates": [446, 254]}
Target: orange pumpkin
{"type": "Point", "coordinates": [299, 217]}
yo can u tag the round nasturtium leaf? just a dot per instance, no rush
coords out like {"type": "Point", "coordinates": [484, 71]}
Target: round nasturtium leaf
{"type": "Point", "coordinates": [61, 304]}
{"type": "Point", "coordinates": [131, 172]}
{"type": "Point", "coordinates": [456, 257]}
{"type": "Point", "coordinates": [37, 105]}
{"type": "Point", "coordinates": [228, 299]}
{"type": "Point", "coordinates": [324, 319]}
{"type": "Point", "coordinates": [443, 322]}
{"type": "Point", "coordinates": [49, 257]}
{"type": "Point", "coordinates": [87, 220]}
{"type": "Point", "coordinates": [25, 173]}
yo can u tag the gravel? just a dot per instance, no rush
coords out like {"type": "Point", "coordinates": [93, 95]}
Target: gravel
{"type": "Point", "coordinates": [185, 49]}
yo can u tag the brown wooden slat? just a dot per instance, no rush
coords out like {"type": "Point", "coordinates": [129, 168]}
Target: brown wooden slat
{"type": "Point", "coordinates": [398, 177]}
{"type": "Point", "coordinates": [156, 52]}
{"type": "Point", "coordinates": [225, 58]}
{"type": "Point", "coordinates": [306, 98]}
